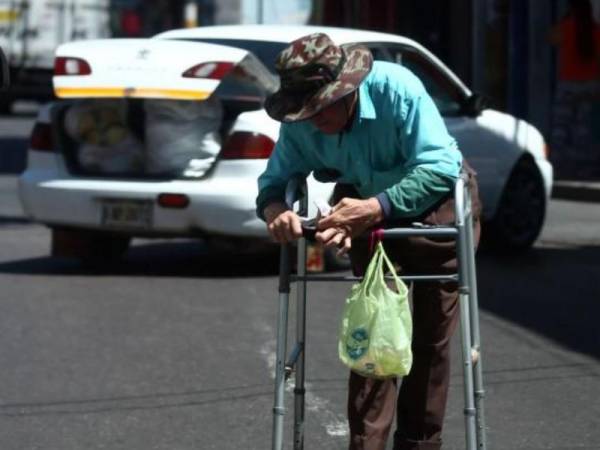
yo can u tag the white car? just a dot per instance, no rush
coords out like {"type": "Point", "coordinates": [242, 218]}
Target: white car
{"type": "Point", "coordinates": [94, 211]}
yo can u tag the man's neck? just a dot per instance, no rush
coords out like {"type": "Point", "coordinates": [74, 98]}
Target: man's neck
{"type": "Point", "coordinates": [350, 110]}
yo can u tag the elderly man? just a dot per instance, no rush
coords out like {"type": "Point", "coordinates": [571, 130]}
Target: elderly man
{"type": "Point", "coordinates": [372, 128]}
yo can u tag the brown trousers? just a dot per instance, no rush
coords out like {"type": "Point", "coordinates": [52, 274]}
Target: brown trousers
{"type": "Point", "coordinates": [421, 401]}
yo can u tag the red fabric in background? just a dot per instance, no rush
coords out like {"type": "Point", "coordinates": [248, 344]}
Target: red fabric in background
{"type": "Point", "coordinates": [131, 23]}
{"type": "Point", "coordinates": [570, 65]}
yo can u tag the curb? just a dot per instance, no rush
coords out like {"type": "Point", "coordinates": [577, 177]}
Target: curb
{"type": "Point", "coordinates": [577, 191]}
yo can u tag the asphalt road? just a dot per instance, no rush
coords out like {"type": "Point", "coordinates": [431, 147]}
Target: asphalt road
{"type": "Point", "coordinates": [174, 350]}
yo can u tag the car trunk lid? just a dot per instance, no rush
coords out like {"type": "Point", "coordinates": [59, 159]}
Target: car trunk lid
{"type": "Point", "coordinates": [143, 106]}
{"type": "Point", "coordinates": [147, 68]}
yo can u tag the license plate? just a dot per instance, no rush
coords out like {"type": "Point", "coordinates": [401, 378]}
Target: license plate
{"type": "Point", "coordinates": [127, 213]}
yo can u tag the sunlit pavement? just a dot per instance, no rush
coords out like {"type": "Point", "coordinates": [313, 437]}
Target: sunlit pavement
{"type": "Point", "coordinates": [174, 348]}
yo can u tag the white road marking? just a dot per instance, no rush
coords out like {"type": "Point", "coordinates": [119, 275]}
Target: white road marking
{"type": "Point", "coordinates": [335, 424]}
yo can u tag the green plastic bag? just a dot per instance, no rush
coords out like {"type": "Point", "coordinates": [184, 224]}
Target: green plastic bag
{"type": "Point", "coordinates": [376, 330]}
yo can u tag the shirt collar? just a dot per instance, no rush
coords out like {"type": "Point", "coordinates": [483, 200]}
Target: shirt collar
{"type": "Point", "coordinates": [366, 109]}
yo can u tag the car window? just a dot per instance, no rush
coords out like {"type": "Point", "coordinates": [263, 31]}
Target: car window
{"type": "Point", "coordinates": [265, 51]}
{"type": "Point", "coordinates": [444, 92]}
{"type": "Point", "coordinates": [379, 53]}
{"type": "Point", "coordinates": [242, 89]}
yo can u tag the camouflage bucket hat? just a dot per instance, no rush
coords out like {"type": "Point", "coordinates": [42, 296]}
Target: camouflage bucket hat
{"type": "Point", "coordinates": [314, 74]}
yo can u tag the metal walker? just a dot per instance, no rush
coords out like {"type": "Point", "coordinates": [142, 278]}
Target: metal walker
{"type": "Point", "coordinates": [462, 231]}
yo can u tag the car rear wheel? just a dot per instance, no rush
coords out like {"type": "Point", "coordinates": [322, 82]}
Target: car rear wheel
{"type": "Point", "coordinates": [520, 214]}
{"type": "Point", "coordinates": [96, 250]}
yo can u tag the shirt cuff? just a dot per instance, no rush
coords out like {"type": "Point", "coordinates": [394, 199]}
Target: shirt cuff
{"type": "Point", "coordinates": [386, 205]}
{"type": "Point", "coordinates": [267, 196]}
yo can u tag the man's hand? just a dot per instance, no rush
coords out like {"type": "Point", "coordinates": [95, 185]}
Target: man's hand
{"type": "Point", "coordinates": [335, 237]}
{"type": "Point", "coordinates": [348, 219]}
{"type": "Point", "coordinates": [284, 225]}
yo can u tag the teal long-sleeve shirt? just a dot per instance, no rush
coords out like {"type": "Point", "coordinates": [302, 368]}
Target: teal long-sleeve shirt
{"type": "Point", "coordinates": [398, 148]}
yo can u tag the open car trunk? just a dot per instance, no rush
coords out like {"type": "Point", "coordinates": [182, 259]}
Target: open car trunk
{"type": "Point", "coordinates": [151, 109]}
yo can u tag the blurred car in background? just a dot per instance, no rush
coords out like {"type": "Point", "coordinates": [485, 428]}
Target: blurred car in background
{"type": "Point", "coordinates": [118, 156]}
{"type": "Point", "coordinates": [4, 73]}
{"type": "Point", "coordinates": [30, 32]}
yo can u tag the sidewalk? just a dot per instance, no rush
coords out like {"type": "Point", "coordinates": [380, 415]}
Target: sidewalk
{"type": "Point", "coordinates": [582, 191]}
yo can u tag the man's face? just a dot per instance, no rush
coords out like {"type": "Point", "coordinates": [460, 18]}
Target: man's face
{"type": "Point", "coordinates": [333, 119]}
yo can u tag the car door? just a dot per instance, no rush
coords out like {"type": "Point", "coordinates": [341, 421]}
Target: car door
{"type": "Point", "coordinates": [480, 146]}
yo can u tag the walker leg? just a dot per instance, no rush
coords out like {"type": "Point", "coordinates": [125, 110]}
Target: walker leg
{"type": "Point", "coordinates": [282, 325]}
{"type": "Point", "coordinates": [299, 389]}
{"type": "Point", "coordinates": [465, 328]}
{"type": "Point", "coordinates": [476, 338]}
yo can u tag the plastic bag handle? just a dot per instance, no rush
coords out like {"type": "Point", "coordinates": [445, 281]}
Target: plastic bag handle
{"type": "Point", "coordinates": [400, 285]}
{"type": "Point", "coordinates": [374, 271]}
{"type": "Point", "coordinates": [375, 237]}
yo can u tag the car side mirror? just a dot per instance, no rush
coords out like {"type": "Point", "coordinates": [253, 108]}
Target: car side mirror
{"type": "Point", "coordinates": [4, 77]}
{"type": "Point", "coordinates": [475, 104]}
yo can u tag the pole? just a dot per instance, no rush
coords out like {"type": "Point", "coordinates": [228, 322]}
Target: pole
{"type": "Point", "coordinates": [465, 316]}
{"type": "Point", "coordinates": [299, 389]}
{"type": "Point", "coordinates": [478, 23]}
{"type": "Point", "coordinates": [284, 295]}
{"type": "Point", "coordinates": [479, 392]}
{"type": "Point", "coordinates": [190, 14]}
{"type": "Point", "coordinates": [260, 11]}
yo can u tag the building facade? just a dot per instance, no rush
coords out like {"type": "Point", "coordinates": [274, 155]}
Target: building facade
{"type": "Point", "coordinates": [498, 47]}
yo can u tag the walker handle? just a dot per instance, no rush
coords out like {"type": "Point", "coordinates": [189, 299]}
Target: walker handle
{"type": "Point", "coordinates": [296, 189]}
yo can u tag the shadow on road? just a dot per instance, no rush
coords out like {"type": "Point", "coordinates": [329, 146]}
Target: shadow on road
{"type": "Point", "coordinates": [14, 220]}
{"type": "Point", "coordinates": [554, 292]}
{"type": "Point", "coordinates": [164, 259]}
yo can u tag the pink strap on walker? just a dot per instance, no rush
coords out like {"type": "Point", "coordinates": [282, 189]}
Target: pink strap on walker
{"type": "Point", "coordinates": [375, 237]}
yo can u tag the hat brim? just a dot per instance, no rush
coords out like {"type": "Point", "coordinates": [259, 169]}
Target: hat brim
{"type": "Point", "coordinates": [289, 107]}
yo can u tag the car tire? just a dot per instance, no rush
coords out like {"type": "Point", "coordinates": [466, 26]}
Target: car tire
{"type": "Point", "coordinates": [520, 215]}
{"type": "Point", "coordinates": [106, 252]}
{"type": "Point", "coordinates": [96, 250]}
{"type": "Point", "coordinates": [5, 106]}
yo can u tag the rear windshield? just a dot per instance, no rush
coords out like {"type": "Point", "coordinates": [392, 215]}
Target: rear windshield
{"type": "Point", "coordinates": [265, 51]}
